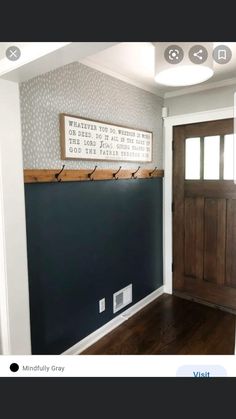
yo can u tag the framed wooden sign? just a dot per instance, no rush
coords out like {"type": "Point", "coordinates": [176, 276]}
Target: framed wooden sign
{"type": "Point", "coordinates": [87, 139]}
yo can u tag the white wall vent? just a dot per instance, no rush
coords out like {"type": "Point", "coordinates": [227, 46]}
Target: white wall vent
{"type": "Point", "coordinates": [122, 298]}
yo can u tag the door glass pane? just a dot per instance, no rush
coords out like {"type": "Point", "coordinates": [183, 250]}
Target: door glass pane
{"type": "Point", "coordinates": [192, 158]}
{"type": "Point", "coordinates": [212, 157]}
{"type": "Point", "coordinates": [229, 157]}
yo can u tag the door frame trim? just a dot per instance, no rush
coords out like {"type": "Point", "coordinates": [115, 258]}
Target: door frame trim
{"type": "Point", "coordinates": [169, 123]}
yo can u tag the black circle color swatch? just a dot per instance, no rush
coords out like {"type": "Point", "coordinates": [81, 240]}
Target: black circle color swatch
{"type": "Point", "coordinates": [14, 367]}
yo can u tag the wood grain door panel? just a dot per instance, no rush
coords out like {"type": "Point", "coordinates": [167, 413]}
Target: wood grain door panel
{"type": "Point", "coordinates": [193, 239]}
{"type": "Point", "coordinates": [214, 240]}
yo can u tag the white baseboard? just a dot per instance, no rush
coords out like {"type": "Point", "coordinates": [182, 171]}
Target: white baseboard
{"type": "Point", "coordinates": [108, 327]}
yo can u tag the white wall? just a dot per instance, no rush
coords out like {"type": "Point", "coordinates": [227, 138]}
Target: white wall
{"type": "Point", "coordinates": [222, 97]}
{"type": "Point", "coordinates": [14, 301]}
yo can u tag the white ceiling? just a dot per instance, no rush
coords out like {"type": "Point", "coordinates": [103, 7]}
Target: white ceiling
{"type": "Point", "coordinates": [30, 51]}
{"type": "Point", "coordinates": [40, 57]}
{"type": "Point", "coordinates": [134, 62]}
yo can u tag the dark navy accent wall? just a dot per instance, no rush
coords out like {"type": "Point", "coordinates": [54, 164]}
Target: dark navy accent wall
{"type": "Point", "coordinates": [87, 240]}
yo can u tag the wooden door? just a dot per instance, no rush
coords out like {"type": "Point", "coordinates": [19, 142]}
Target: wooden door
{"type": "Point", "coordinates": [204, 213]}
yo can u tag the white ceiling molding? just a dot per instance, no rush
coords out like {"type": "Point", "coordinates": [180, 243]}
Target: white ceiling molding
{"type": "Point", "coordinates": [173, 93]}
{"type": "Point", "coordinates": [121, 77]}
{"type": "Point", "coordinates": [200, 88]}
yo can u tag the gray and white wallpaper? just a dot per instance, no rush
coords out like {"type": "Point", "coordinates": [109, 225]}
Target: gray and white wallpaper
{"type": "Point", "coordinates": [80, 90]}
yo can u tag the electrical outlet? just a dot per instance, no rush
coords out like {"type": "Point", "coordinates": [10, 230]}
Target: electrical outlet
{"type": "Point", "coordinates": [102, 305]}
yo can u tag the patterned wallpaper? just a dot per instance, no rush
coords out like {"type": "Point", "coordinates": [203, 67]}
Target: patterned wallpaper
{"type": "Point", "coordinates": [80, 90]}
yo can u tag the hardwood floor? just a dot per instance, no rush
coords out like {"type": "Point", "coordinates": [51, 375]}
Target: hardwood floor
{"type": "Point", "coordinates": [174, 326]}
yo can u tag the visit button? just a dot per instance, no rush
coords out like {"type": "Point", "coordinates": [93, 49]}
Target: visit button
{"type": "Point", "coordinates": [201, 371]}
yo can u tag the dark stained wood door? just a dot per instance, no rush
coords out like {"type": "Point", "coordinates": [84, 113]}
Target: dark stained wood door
{"type": "Point", "coordinates": [204, 213]}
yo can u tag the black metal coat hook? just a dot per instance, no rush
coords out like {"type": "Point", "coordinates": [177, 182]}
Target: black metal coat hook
{"type": "Point", "coordinates": [57, 175]}
{"type": "Point", "coordinates": [114, 174]}
{"type": "Point", "coordinates": [151, 173]}
{"type": "Point", "coordinates": [132, 175]}
{"type": "Point", "coordinates": [90, 174]}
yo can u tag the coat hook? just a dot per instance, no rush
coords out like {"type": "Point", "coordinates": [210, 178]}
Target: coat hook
{"type": "Point", "coordinates": [132, 175]}
{"type": "Point", "coordinates": [151, 173]}
{"type": "Point", "coordinates": [90, 174]}
{"type": "Point", "coordinates": [114, 174]}
{"type": "Point", "coordinates": [57, 175]}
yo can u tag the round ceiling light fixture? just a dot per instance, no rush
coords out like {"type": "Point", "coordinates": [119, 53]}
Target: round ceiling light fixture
{"type": "Point", "coordinates": [183, 64]}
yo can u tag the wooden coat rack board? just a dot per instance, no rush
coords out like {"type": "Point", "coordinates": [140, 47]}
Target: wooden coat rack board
{"type": "Point", "coordinates": [64, 175]}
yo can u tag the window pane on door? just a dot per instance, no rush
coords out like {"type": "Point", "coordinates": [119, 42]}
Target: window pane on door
{"type": "Point", "coordinates": [192, 158]}
{"type": "Point", "coordinates": [229, 157]}
{"type": "Point", "coordinates": [212, 157]}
